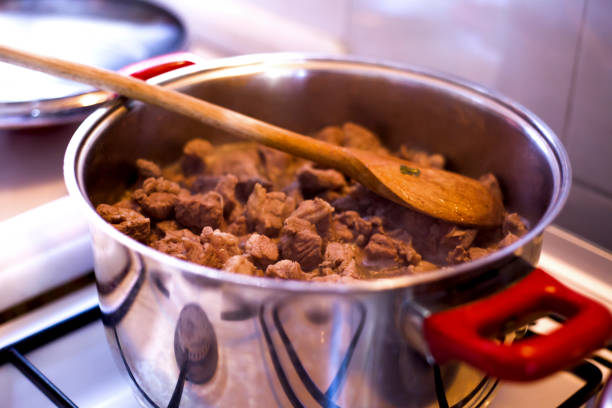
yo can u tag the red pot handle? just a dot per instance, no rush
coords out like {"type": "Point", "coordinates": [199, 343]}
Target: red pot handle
{"type": "Point", "coordinates": [465, 333]}
{"type": "Point", "coordinates": [158, 65]}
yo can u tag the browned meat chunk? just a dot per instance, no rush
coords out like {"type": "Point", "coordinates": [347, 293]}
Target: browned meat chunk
{"type": "Point", "coordinates": [238, 227]}
{"type": "Point", "coordinates": [199, 210]}
{"type": "Point", "coordinates": [350, 227]}
{"type": "Point", "coordinates": [157, 197]}
{"type": "Point", "coordinates": [244, 188]}
{"type": "Point", "coordinates": [314, 180]}
{"type": "Point", "coordinates": [276, 166]}
{"type": "Point", "coordinates": [286, 269]}
{"type": "Point", "coordinates": [342, 259]}
{"type": "Point", "coordinates": [265, 212]}
{"type": "Point", "coordinates": [491, 183]}
{"type": "Point", "coordinates": [330, 134]}
{"type": "Point", "coordinates": [293, 190]}
{"type": "Point", "coordinates": [317, 212]}
{"type": "Point", "coordinates": [383, 251]}
{"type": "Point", "coordinates": [459, 237]}
{"type": "Point", "coordinates": [193, 160]}
{"type": "Point", "coordinates": [356, 136]}
{"type": "Point", "coordinates": [167, 226]}
{"type": "Point", "coordinates": [421, 158]}
{"type": "Point", "coordinates": [423, 266]}
{"type": "Point", "coordinates": [457, 255]}
{"type": "Point", "coordinates": [240, 264]}
{"type": "Point", "coordinates": [300, 242]}
{"type": "Point", "coordinates": [125, 220]}
{"type": "Point", "coordinates": [334, 278]}
{"type": "Point", "coordinates": [247, 203]}
{"type": "Point", "coordinates": [508, 239]}
{"type": "Point", "coordinates": [183, 245]}
{"type": "Point", "coordinates": [476, 252]}
{"type": "Point", "coordinates": [513, 223]}
{"type": "Point", "coordinates": [262, 250]}
{"type": "Point", "coordinates": [227, 188]}
{"type": "Point", "coordinates": [204, 183]}
{"type": "Point", "coordinates": [241, 163]}
{"type": "Point", "coordinates": [218, 246]}
{"type": "Point", "coordinates": [147, 169]}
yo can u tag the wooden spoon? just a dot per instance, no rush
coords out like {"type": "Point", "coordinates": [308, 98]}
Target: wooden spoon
{"type": "Point", "coordinates": [437, 193]}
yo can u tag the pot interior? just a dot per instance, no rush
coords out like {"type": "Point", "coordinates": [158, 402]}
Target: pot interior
{"type": "Point", "coordinates": [477, 132]}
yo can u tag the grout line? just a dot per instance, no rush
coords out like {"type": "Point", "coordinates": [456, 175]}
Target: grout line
{"type": "Point", "coordinates": [574, 75]}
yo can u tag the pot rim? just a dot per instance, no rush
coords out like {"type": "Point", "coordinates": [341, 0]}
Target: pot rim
{"type": "Point", "coordinates": [547, 140]}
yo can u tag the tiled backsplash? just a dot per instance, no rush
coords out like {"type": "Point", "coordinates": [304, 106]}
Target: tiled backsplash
{"type": "Point", "coordinates": [552, 56]}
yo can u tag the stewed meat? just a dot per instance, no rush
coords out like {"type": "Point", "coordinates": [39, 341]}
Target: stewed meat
{"type": "Point", "coordinates": [252, 210]}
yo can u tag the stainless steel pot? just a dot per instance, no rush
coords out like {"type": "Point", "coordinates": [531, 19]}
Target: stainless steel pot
{"type": "Point", "coordinates": [203, 337]}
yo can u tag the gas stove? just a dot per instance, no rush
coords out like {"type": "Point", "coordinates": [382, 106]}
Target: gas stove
{"type": "Point", "coordinates": [54, 351]}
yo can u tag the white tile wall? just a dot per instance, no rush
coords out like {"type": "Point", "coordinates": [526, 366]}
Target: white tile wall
{"type": "Point", "coordinates": [521, 48]}
{"type": "Point", "coordinates": [589, 132]}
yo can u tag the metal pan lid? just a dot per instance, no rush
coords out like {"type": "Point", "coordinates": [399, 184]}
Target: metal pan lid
{"type": "Point", "coordinates": [103, 33]}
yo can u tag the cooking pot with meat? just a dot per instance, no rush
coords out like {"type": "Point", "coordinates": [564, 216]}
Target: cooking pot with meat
{"type": "Point", "coordinates": [193, 335]}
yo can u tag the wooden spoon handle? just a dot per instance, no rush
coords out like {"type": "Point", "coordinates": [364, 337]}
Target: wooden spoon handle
{"type": "Point", "coordinates": [206, 112]}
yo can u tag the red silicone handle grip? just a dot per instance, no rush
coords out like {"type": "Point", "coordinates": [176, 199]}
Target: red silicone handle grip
{"type": "Point", "coordinates": [158, 65]}
{"type": "Point", "coordinates": [465, 332]}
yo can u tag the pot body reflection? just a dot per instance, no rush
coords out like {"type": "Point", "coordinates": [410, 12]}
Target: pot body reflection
{"type": "Point", "coordinates": [231, 340]}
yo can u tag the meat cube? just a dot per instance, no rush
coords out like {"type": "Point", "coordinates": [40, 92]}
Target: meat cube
{"type": "Point", "coordinates": [193, 160]}
{"type": "Point", "coordinates": [244, 188]}
{"type": "Point", "coordinates": [513, 223]}
{"type": "Point", "coordinates": [286, 269]}
{"type": "Point", "coordinates": [157, 197]}
{"type": "Point", "coordinates": [459, 237]}
{"type": "Point", "coordinates": [313, 181]}
{"type": "Point", "coordinates": [227, 188]}
{"type": "Point", "coordinates": [491, 183]}
{"type": "Point", "coordinates": [340, 258]}
{"type": "Point", "coordinates": [318, 212]}
{"type": "Point", "coordinates": [356, 136]}
{"type": "Point", "coordinates": [199, 210]}
{"type": "Point", "coordinates": [147, 169]}
{"type": "Point", "coordinates": [167, 226]}
{"type": "Point", "coordinates": [421, 158]}
{"type": "Point", "coordinates": [265, 212]}
{"type": "Point", "coordinates": [204, 183]}
{"type": "Point", "coordinates": [300, 242]}
{"type": "Point", "coordinates": [183, 245]}
{"type": "Point", "coordinates": [218, 246]}
{"type": "Point", "coordinates": [330, 134]}
{"type": "Point", "coordinates": [262, 250]}
{"type": "Point", "coordinates": [477, 252]}
{"type": "Point", "coordinates": [357, 198]}
{"type": "Point", "coordinates": [238, 226]}
{"type": "Point", "coordinates": [242, 163]}
{"type": "Point", "coordinates": [350, 227]}
{"type": "Point", "coordinates": [508, 239]}
{"type": "Point", "coordinates": [333, 278]}
{"type": "Point", "coordinates": [240, 264]}
{"type": "Point", "coordinates": [423, 266]}
{"type": "Point", "coordinates": [127, 221]}
{"type": "Point", "coordinates": [277, 166]}
{"type": "Point", "coordinates": [457, 255]}
{"type": "Point", "coordinates": [383, 251]}
{"type": "Point", "coordinates": [293, 190]}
